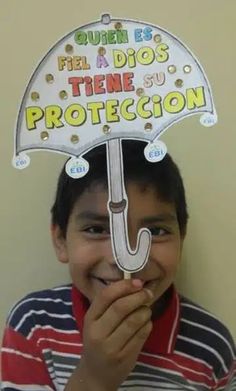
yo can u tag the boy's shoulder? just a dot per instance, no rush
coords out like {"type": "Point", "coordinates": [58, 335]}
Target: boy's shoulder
{"type": "Point", "coordinates": [195, 315]}
{"type": "Point", "coordinates": [45, 308]}
{"type": "Point", "coordinates": [204, 337]}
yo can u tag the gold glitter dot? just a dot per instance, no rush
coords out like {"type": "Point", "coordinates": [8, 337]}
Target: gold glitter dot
{"type": "Point", "coordinates": [171, 68]}
{"type": "Point", "coordinates": [63, 94]}
{"type": "Point", "coordinates": [69, 49]}
{"type": "Point", "coordinates": [35, 96]}
{"type": "Point", "coordinates": [106, 129]}
{"type": "Point", "coordinates": [118, 26]}
{"type": "Point", "coordinates": [179, 83]}
{"type": "Point", "coordinates": [101, 51]}
{"type": "Point", "coordinates": [187, 68]}
{"type": "Point", "coordinates": [157, 38]}
{"type": "Point", "coordinates": [74, 139]}
{"type": "Point", "coordinates": [140, 91]}
{"type": "Point", "coordinates": [148, 127]}
{"type": "Point", "coordinates": [49, 78]}
{"type": "Point", "coordinates": [44, 136]}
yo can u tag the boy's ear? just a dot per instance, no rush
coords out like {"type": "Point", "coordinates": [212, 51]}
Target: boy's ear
{"type": "Point", "coordinates": [59, 243]}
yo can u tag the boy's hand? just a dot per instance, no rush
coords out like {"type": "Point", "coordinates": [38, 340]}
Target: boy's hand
{"type": "Point", "coordinates": [116, 326]}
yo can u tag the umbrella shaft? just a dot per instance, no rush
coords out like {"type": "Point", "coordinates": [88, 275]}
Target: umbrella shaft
{"type": "Point", "coordinates": [115, 172]}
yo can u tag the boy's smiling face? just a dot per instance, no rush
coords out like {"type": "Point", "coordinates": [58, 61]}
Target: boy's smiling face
{"type": "Point", "coordinates": [87, 245]}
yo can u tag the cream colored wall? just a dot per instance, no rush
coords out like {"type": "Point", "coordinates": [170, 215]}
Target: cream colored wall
{"type": "Point", "coordinates": [207, 157]}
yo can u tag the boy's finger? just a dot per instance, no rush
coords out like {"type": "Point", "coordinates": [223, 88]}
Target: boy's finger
{"type": "Point", "coordinates": [110, 294]}
{"type": "Point", "coordinates": [135, 344]}
{"type": "Point", "coordinates": [129, 328]}
{"type": "Point", "coordinates": [121, 309]}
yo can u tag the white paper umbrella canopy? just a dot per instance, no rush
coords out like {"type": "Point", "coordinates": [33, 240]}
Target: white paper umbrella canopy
{"type": "Point", "coordinates": [106, 81]}
{"type": "Point", "coordinates": [122, 79]}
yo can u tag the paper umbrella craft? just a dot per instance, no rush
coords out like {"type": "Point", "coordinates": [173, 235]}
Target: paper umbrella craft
{"type": "Point", "coordinates": [106, 81]}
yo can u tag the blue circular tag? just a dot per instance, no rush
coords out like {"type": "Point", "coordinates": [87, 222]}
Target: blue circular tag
{"type": "Point", "coordinates": [21, 161]}
{"type": "Point", "coordinates": [77, 167]}
{"type": "Point", "coordinates": [156, 151]}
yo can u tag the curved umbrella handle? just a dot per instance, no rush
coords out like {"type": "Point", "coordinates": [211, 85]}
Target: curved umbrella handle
{"type": "Point", "coordinates": [128, 260]}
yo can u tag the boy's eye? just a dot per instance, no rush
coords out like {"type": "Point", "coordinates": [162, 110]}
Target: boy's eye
{"type": "Point", "coordinates": [97, 230]}
{"type": "Point", "coordinates": [158, 231]}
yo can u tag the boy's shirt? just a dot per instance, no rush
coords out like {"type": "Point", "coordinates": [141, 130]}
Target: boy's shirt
{"type": "Point", "coordinates": [188, 348]}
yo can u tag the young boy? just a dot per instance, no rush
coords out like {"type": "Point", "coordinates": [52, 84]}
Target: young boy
{"type": "Point", "coordinates": [104, 333]}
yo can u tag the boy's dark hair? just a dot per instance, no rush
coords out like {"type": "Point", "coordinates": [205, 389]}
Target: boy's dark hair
{"type": "Point", "coordinates": [164, 176]}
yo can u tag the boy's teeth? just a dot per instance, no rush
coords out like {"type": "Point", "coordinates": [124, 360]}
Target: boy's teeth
{"type": "Point", "coordinates": [105, 282]}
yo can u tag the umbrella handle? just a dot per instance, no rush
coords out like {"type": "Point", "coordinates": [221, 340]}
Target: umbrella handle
{"type": "Point", "coordinates": [127, 260]}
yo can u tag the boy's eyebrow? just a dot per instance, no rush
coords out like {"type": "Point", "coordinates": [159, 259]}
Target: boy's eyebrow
{"type": "Point", "coordinates": [160, 218]}
{"type": "Point", "coordinates": [88, 215]}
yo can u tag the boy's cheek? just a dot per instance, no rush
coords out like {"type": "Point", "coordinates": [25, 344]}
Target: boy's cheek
{"type": "Point", "coordinates": [171, 258]}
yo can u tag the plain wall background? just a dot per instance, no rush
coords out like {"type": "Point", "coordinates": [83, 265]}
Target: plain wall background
{"type": "Point", "coordinates": [207, 157]}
